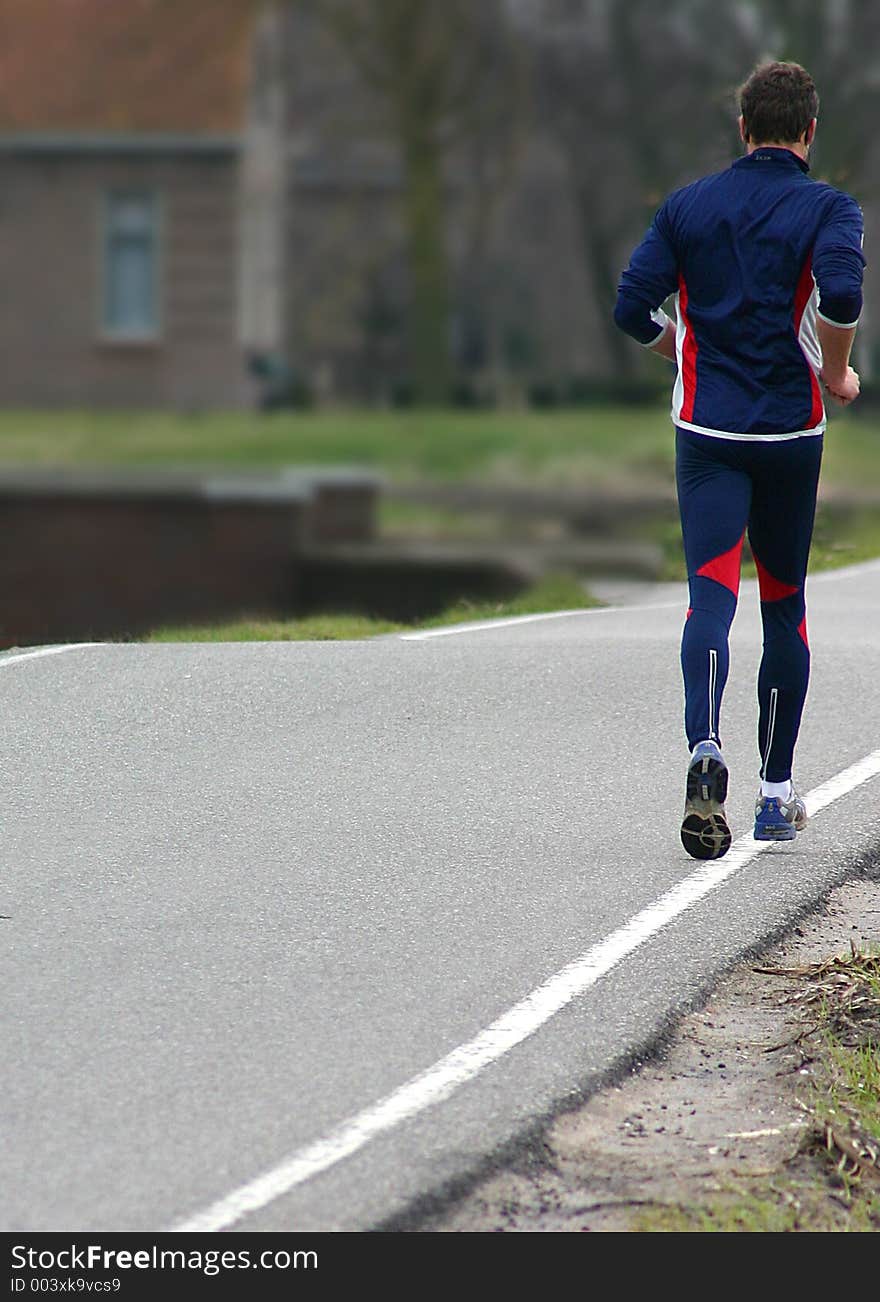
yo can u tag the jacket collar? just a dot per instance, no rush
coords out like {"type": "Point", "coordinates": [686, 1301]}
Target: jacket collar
{"type": "Point", "coordinates": [773, 154]}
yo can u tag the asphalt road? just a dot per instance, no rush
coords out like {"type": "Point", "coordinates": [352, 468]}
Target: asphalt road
{"type": "Point", "coordinates": [252, 890]}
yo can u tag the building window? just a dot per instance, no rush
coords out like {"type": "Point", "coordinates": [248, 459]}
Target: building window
{"type": "Point", "coordinates": [131, 265]}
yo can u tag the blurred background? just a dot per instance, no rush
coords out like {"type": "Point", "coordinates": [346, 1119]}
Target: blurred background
{"type": "Point", "coordinates": [247, 243]}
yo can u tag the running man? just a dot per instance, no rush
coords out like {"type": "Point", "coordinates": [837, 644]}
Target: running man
{"type": "Point", "coordinates": [765, 265]}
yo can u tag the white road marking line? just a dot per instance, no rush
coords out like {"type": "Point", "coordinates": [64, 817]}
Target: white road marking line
{"type": "Point", "coordinates": [510, 1029]}
{"type": "Point", "coordinates": [452, 629]}
{"type": "Point", "coordinates": [14, 658]}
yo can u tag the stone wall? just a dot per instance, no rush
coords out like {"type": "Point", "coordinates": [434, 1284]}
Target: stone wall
{"type": "Point", "coordinates": [109, 556]}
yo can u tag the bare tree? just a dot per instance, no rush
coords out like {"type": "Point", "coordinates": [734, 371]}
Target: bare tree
{"type": "Point", "coordinates": [638, 98]}
{"type": "Point", "coordinates": [444, 72]}
{"type": "Point", "coordinates": [838, 41]}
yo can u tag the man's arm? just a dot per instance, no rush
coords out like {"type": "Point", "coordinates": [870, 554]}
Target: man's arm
{"type": "Point", "coordinates": [652, 275]}
{"type": "Point", "coordinates": [838, 263]}
{"type": "Point", "coordinates": [839, 378]}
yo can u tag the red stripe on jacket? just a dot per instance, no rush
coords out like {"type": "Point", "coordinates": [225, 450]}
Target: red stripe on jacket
{"type": "Point", "coordinates": [801, 298]}
{"type": "Point", "coordinates": [688, 356]}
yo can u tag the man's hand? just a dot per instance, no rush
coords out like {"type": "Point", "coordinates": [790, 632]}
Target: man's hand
{"type": "Point", "coordinates": [664, 345]}
{"type": "Point", "coordinates": [842, 390]}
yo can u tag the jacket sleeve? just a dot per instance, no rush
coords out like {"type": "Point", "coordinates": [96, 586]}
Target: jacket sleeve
{"type": "Point", "coordinates": [838, 263]}
{"type": "Point", "coordinates": [652, 275]}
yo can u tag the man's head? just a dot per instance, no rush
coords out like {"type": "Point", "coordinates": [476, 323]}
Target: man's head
{"type": "Point", "coordinates": [779, 106]}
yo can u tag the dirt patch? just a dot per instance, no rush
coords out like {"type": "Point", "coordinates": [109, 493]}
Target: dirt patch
{"type": "Point", "coordinates": [720, 1110]}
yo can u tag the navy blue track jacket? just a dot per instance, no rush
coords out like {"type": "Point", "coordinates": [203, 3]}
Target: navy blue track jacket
{"type": "Point", "coordinates": [751, 254]}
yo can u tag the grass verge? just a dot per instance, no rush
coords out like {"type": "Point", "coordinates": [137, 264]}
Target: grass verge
{"type": "Point", "coordinates": [593, 446]}
{"type": "Point", "coordinates": [840, 537]}
{"type": "Point", "coordinates": [833, 1181]}
{"type": "Point", "coordinates": [506, 446]}
{"type": "Point", "coordinates": [844, 538]}
{"type": "Point", "coordinates": [604, 448]}
{"type": "Point", "coordinates": [553, 592]}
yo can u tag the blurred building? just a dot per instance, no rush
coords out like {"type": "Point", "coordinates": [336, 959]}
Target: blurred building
{"type": "Point", "coordinates": [202, 201]}
{"type": "Point", "coordinates": [134, 183]}
{"type": "Point", "coordinates": [201, 206]}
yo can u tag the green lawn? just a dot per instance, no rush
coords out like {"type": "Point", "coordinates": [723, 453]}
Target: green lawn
{"type": "Point", "coordinates": [595, 447]}
{"type": "Point", "coordinates": [403, 444]}
{"type": "Point", "coordinates": [590, 445]}
{"type": "Point", "coordinates": [553, 592]}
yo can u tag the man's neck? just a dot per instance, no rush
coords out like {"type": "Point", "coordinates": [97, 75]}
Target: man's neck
{"type": "Point", "coordinates": [796, 146]}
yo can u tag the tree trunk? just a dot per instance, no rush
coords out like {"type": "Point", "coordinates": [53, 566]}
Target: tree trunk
{"type": "Point", "coordinates": [599, 254]}
{"type": "Point", "coordinates": [428, 266]}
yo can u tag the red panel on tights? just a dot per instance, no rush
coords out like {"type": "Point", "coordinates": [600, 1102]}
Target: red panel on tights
{"type": "Point", "coordinates": [725, 569]}
{"type": "Point", "coordinates": [772, 589]}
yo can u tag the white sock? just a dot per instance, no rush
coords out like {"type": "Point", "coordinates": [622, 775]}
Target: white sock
{"type": "Point", "coordinates": [781, 790]}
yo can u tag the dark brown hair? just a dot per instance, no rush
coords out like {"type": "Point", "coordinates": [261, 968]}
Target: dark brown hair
{"type": "Point", "coordinates": [778, 102]}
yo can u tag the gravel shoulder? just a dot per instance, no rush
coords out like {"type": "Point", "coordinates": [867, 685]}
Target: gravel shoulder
{"type": "Point", "coordinates": [717, 1108]}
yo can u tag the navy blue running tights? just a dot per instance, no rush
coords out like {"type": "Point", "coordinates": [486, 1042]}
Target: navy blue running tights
{"type": "Point", "coordinates": [727, 487]}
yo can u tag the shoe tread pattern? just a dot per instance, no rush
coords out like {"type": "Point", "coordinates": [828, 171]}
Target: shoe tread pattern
{"type": "Point", "coordinates": [704, 830]}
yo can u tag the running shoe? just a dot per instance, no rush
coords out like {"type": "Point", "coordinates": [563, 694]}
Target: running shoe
{"type": "Point", "coordinates": [704, 830]}
{"type": "Point", "coordinates": [779, 820]}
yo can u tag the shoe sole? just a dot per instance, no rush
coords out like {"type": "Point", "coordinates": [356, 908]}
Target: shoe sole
{"type": "Point", "coordinates": [781, 831]}
{"type": "Point", "coordinates": [704, 830]}
{"type": "Point", "coordinates": [775, 831]}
